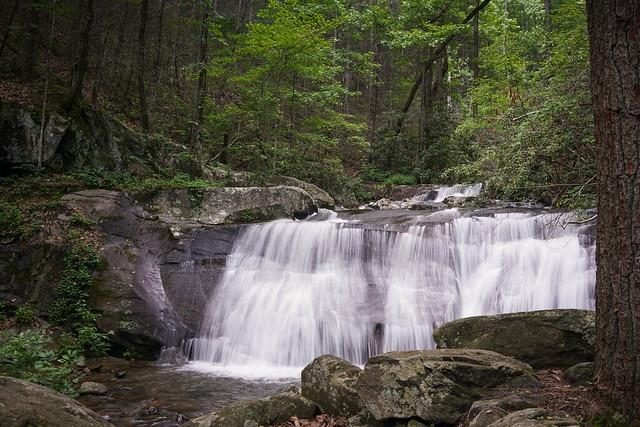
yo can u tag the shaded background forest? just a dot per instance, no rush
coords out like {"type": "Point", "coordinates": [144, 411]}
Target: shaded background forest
{"type": "Point", "coordinates": [321, 89]}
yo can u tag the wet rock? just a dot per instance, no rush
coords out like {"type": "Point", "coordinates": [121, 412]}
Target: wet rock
{"type": "Point", "coordinates": [26, 404]}
{"type": "Point", "coordinates": [436, 386]}
{"type": "Point", "coordinates": [486, 411]}
{"type": "Point", "coordinates": [330, 382]}
{"type": "Point", "coordinates": [580, 374]}
{"type": "Point", "coordinates": [548, 338]}
{"type": "Point", "coordinates": [536, 417]}
{"type": "Point", "coordinates": [457, 201]}
{"type": "Point", "coordinates": [92, 388]}
{"type": "Point", "coordinates": [322, 198]}
{"type": "Point", "coordinates": [267, 411]}
{"type": "Point", "coordinates": [487, 416]}
{"type": "Point", "coordinates": [120, 374]}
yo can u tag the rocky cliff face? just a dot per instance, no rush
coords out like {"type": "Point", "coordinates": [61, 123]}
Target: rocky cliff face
{"type": "Point", "coordinates": [89, 140]}
{"type": "Point", "coordinates": [165, 252]}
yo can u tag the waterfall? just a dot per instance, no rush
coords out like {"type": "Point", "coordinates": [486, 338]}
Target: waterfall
{"type": "Point", "coordinates": [439, 194]}
{"type": "Point", "coordinates": [294, 290]}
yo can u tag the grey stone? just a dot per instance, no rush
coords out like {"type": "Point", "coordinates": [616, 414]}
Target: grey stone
{"type": "Point", "coordinates": [92, 388]}
{"type": "Point", "coordinates": [548, 338]}
{"type": "Point", "coordinates": [268, 411]}
{"type": "Point", "coordinates": [437, 386]}
{"type": "Point", "coordinates": [487, 416]}
{"type": "Point", "coordinates": [330, 382]}
{"type": "Point", "coordinates": [26, 404]}
{"type": "Point", "coordinates": [581, 374]}
{"type": "Point", "coordinates": [536, 417]}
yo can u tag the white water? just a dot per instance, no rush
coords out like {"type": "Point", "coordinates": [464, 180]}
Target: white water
{"type": "Point", "coordinates": [442, 193]}
{"type": "Point", "coordinates": [296, 290]}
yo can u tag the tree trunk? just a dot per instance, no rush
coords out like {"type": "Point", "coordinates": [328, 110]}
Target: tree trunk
{"type": "Point", "coordinates": [29, 44]}
{"type": "Point", "coordinates": [7, 32]}
{"type": "Point", "coordinates": [82, 65]}
{"type": "Point", "coordinates": [547, 15]}
{"type": "Point", "coordinates": [144, 111]}
{"type": "Point", "coordinates": [158, 60]}
{"type": "Point", "coordinates": [615, 83]}
{"type": "Point", "coordinates": [196, 130]}
{"type": "Point", "coordinates": [436, 55]}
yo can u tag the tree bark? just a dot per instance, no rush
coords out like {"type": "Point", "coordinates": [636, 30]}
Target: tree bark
{"type": "Point", "coordinates": [144, 111]}
{"type": "Point", "coordinates": [547, 15]}
{"type": "Point", "coordinates": [82, 65]}
{"type": "Point", "coordinates": [196, 130]}
{"type": "Point", "coordinates": [615, 85]}
{"type": "Point", "coordinates": [14, 10]}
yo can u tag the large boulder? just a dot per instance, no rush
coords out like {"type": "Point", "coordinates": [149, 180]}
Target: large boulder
{"type": "Point", "coordinates": [536, 417]}
{"type": "Point", "coordinates": [436, 386]}
{"type": "Point", "coordinates": [321, 197]}
{"type": "Point", "coordinates": [229, 204]}
{"type": "Point", "coordinates": [548, 338]}
{"type": "Point", "coordinates": [267, 411]}
{"type": "Point", "coordinates": [26, 404]}
{"type": "Point", "coordinates": [581, 374]}
{"type": "Point", "coordinates": [330, 382]}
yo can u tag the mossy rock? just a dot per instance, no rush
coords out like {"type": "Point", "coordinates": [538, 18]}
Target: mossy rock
{"type": "Point", "coordinates": [543, 339]}
{"type": "Point", "coordinates": [435, 386]}
{"type": "Point", "coordinates": [330, 382]}
{"type": "Point", "coordinates": [271, 410]}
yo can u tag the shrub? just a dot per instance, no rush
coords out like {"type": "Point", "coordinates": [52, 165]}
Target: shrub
{"type": "Point", "coordinates": [401, 179]}
{"type": "Point", "coordinates": [26, 315]}
{"type": "Point", "coordinates": [29, 356]}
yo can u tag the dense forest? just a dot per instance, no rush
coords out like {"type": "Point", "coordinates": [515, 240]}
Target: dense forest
{"type": "Point", "coordinates": [333, 92]}
{"type": "Point", "coordinates": [196, 192]}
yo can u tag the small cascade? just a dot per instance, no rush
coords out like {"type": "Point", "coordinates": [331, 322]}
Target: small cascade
{"type": "Point", "coordinates": [439, 194]}
{"type": "Point", "coordinates": [294, 290]}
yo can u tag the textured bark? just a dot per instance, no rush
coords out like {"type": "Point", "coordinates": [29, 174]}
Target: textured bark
{"type": "Point", "coordinates": [614, 33]}
{"type": "Point", "coordinates": [82, 64]}
{"type": "Point", "coordinates": [144, 111]}
{"type": "Point", "coordinates": [196, 130]}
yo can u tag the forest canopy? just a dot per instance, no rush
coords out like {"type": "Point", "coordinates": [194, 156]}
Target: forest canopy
{"type": "Point", "coordinates": [331, 91]}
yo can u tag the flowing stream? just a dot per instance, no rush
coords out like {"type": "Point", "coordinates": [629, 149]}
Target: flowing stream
{"type": "Point", "coordinates": [294, 290]}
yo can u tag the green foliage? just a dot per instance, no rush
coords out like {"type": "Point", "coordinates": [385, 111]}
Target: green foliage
{"type": "Point", "coordinates": [29, 356]}
{"type": "Point", "coordinates": [400, 179]}
{"type": "Point", "coordinates": [79, 220]}
{"type": "Point", "coordinates": [126, 182]}
{"type": "Point", "coordinates": [609, 418]}
{"type": "Point", "coordinates": [16, 223]}
{"type": "Point", "coordinates": [70, 307]}
{"type": "Point", "coordinates": [26, 315]}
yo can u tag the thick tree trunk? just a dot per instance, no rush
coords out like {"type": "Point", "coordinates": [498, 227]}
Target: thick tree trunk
{"type": "Point", "coordinates": [144, 111]}
{"type": "Point", "coordinates": [615, 85]}
{"type": "Point", "coordinates": [82, 65]}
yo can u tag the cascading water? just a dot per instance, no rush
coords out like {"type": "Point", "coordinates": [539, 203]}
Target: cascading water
{"type": "Point", "coordinates": [438, 195]}
{"type": "Point", "coordinates": [294, 290]}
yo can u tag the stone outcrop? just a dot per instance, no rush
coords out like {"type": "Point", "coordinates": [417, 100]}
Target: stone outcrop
{"type": "Point", "coordinates": [26, 404]}
{"type": "Point", "coordinates": [548, 338]}
{"type": "Point", "coordinates": [90, 139]}
{"type": "Point", "coordinates": [330, 382]}
{"type": "Point", "coordinates": [165, 252]}
{"type": "Point", "coordinates": [268, 411]}
{"type": "Point", "coordinates": [435, 386]}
